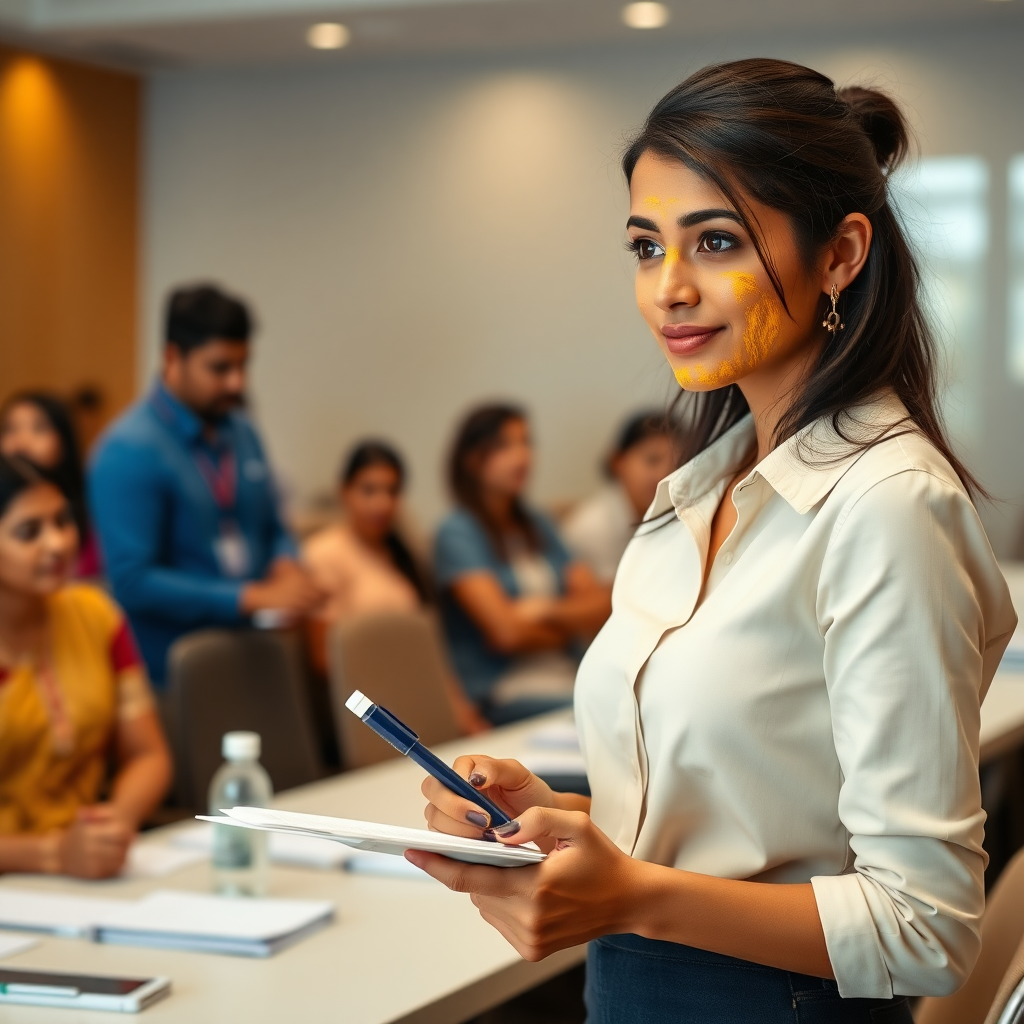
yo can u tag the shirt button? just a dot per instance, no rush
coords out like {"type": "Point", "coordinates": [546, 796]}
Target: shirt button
{"type": "Point", "coordinates": [728, 558]}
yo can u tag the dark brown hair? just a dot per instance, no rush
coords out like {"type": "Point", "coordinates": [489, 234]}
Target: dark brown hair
{"type": "Point", "coordinates": [67, 474]}
{"type": "Point", "coordinates": [478, 435]}
{"type": "Point", "coordinates": [379, 453]}
{"type": "Point", "coordinates": [784, 136]}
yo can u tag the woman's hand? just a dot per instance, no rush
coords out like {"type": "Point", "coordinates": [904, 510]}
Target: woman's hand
{"type": "Point", "coordinates": [507, 783]}
{"type": "Point", "coordinates": [587, 887]}
{"type": "Point", "coordinates": [95, 845]}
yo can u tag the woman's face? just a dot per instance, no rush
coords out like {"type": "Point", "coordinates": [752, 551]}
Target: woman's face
{"type": "Point", "coordinates": [38, 542]}
{"type": "Point", "coordinates": [701, 287]}
{"type": "Point", "coordinates": [26, 431]}
{"type": "Point", "coordinates": [505, 469]}
{"type": "Point", "coordinates": [640, 468]}
{"type": "Point", "coordinates": [371, 501]}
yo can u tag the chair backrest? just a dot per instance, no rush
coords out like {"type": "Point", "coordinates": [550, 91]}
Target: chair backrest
{"type": "Point", "coordinates": [221, 680]}
{"type": "Point", "coordinates": [396, 659]}
{"type": "Point", "coordinates": [1008, 1007]}
{"type": "Point", "coordinates": [1002, 933]}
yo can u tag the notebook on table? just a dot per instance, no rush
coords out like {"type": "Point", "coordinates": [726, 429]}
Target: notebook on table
{"type": "Point", "coordinates": [203, 923]}
{"type": "Point", "coordinates": [367, 835]}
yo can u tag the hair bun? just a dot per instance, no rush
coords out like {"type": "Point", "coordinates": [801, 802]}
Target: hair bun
{"type": "Point", "coordinates": [883, 122]}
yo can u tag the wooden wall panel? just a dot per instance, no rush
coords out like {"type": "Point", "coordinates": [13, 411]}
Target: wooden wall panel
{"type": "Point", "coordinates": [69, 225]}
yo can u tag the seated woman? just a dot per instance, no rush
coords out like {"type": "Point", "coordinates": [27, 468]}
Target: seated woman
{"type": "Point", "coordinates": [599, 529]}
{"type": "Point", "coordinates": [362, 563]}
{"type": "Point", "coordinates": [74, 698]}
{"type": "Point", "coordinates": [36, 426]}
{"type": "Point", "coordinates": [513, 600]}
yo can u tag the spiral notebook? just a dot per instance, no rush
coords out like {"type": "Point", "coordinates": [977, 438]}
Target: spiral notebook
{"type": "Point", "coordinates": [367, 835]}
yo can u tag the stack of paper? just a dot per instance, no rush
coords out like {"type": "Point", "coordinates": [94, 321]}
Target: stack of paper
{"type": "Point", "coordinates": [213, 924]}
{"type": "Point", "coordinates": [367, 835]}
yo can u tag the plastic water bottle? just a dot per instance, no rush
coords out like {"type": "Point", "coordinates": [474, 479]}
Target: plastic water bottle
{"type": "Point", "coordinates": [240, 854]}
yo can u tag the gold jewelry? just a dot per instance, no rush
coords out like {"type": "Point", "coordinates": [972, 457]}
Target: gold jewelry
{"type": "Point", "coordinates": [832, 323]}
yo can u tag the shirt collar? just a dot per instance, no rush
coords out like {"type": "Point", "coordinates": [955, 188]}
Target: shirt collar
{"type": "Point", "coordinates": [188, 426]}
{"type": "Point", "coordinates": [802, 470]}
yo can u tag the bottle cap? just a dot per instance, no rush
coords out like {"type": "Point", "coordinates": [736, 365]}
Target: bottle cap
{"type": "Point", "coordinates": [240, 746]}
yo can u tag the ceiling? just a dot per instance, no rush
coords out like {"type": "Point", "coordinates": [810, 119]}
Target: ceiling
{"type": "Point", "coordinates": [154, 34]}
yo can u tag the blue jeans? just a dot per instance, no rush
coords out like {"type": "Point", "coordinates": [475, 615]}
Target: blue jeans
{"type": "Point", "coordinates": [631, 980]}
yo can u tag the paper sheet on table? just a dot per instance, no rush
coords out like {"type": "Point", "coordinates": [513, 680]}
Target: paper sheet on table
{"type": "Point", "coordinates": [152, 859]}
{"type": "Point", "coordinates": [391, 839]}
{"type": "Point", "coordinates": [15, 942]}
{"type": "Point", "coordinates": [554, 736]}
{"type": "Point", "coordinates": [307, 852]}
{"type": "Point", "coordinates": [1013, 657]}
{"type": "Point", "coordinates": [166, 919]}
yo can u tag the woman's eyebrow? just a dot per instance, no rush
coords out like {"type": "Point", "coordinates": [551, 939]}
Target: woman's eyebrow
{"type": "Point", "coordinates": [644, 223]}
{"type": "Point", "coordinates": [699, 216]}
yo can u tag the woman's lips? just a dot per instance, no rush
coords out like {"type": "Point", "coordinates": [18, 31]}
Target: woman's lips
{"type": "Point", "coordinates": [684, 339]}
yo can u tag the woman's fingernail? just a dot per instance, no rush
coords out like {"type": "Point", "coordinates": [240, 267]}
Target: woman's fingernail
{"type": "Point", "coordinates": [478, 818]}
{"type": "Point", "coordinates": [504, 831]}
{"type": "Point", "coordinates": [489, 836]}
{"type": "Point", "coordinates": [476, 779]}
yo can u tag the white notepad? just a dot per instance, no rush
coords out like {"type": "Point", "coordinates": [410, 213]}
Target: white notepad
{"type": "Point", "coordinates": [203, 923]}
{"type": "Point", "coordinates": [367, 835]}
{"type": "Point", "coordinates": [57, 914]}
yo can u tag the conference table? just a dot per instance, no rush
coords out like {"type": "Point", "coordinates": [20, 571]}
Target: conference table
{"type": "Point", "coordinates": [399, 951]}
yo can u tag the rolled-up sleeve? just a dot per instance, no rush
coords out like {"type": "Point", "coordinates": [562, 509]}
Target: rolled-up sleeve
{"type": "Point", "coordinates": [907, 587]}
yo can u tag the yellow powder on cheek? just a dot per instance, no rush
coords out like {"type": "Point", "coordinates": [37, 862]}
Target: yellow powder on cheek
{"type": "Point", "coordinates": [763, 317]}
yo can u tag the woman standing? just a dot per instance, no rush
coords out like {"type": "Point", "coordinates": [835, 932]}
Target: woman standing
{"type": "Point", "coordinates": [514, 601]}
{"type": "Point", "coordinates": [781, 717]}
{"type": "Point", "coordinates": [74, 699]}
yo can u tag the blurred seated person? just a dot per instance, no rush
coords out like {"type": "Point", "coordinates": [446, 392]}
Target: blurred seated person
{"type": "Point", "coordinates": [599, 529]}
{"type": "Point", "coordinates": [362, 564]}
{"type": "Point", "coordinates": [182, 496]}
{"type": "Point", "coordinates": [514, 602]}
{"type": "Point", "coordinates": [36, 425]}
{"type": "Point", "coordinates": [74, 698]}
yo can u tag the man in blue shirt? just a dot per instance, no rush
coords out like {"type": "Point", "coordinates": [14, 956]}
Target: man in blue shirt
{"type": "Point", "coordinates": [181, 494]}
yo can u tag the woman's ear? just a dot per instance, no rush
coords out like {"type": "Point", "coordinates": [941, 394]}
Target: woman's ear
{"type": "Point", "coordinates": [847, 253]}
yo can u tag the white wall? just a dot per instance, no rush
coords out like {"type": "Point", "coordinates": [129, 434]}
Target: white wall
{"type": "Point", "coordinates": [417, 235]}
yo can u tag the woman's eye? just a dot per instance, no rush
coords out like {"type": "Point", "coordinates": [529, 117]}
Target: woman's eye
{"type": "Point", "coordinates": [647, 249]}
{"type": "Point", "coordinates": [65, 517]}
{"type": "Point", "coordinates": [28, 530]}
{"type": "Point", "coordinates": [718, 241]}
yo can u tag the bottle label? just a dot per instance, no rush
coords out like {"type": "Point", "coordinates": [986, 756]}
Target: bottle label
{"type": "Point", "coordinates": [232, 847]}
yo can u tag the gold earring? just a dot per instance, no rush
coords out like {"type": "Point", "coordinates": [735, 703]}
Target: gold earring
{"type": "Point", "coordinates": [832, 323]}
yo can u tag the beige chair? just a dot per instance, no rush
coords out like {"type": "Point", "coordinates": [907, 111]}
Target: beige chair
{"type": "Point", "coordinates": [397, 659]}
{"type": "Point", "coordinates": [1001, 965]}
{"type": "Point", "coordinates": [220, 680]}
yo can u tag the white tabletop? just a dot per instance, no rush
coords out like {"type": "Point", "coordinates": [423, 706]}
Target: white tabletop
{"type": "Point", "coordinates": [399, 949]}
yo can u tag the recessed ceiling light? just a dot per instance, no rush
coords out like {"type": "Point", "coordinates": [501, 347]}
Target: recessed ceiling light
{"type": "Point", "coordinates": [328, 35]}
{"type": "Point", "coordinates": [646, 15]}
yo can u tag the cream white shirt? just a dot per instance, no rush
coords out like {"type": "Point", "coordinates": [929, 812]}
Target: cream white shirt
{"type": "Point", "coordinates": [813, 715]}
{"type": "Point", "coordinates": [598, 530]}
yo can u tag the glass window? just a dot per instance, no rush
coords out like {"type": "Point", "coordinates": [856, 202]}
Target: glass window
{"type": "Point", "coordinates": [944, 203]}
{"type": "Point", "coordinates": [1016, 310]}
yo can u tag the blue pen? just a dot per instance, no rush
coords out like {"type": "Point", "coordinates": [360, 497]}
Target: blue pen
{"type": "Point", "coordinates": [405, 741]}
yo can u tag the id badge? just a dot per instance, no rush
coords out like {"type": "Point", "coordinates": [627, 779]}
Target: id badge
{"type": "Point", "coordinates": [232, 552]}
